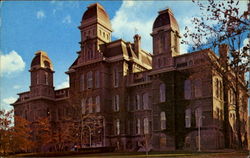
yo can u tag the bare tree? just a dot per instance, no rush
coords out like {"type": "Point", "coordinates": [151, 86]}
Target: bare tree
{"type": "Point", "coordinates": [223, 22]}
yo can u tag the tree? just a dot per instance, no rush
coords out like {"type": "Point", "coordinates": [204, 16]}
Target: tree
{"type": "Point", "coordinates": [222, 22]}
{"type": "Point", "coordinates": [42, 133]}
{"type": "Point", "coordinates": [21, 135]}
{"type": "Point", "coordinates": [5, 133]}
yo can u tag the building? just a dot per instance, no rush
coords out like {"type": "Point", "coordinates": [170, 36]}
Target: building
{"type": "Point", "coordinates": [161, 99]}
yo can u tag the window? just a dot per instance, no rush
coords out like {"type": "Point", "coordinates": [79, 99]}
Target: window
{"type": "Point", "coordinates": [197, 88]}
{"type": "Point", "coordinates": [90, 105]}
{"type": "Point", "coordinates": [97, 79]}
{"type": "Point", "coordinates": [188, 118]}
{"type": "Point", "coordinates": [83, 105]}
{"type": "Point", "coordinates": [46, 78]}
{"type": "Point", "coordinates": [115, 77]}
{"type": "Point", "coordinates": [198, 117]}
{"type": "Point", "coordinates": [97, 102]}
{"type": "Point", "coordinates": [217, 88]}
{"type": "Point", "coordinates": [37, 78]}
{"type": "Point", "coordinates": [145, 100]}
{"type": "Point", "coordinates": [221, 90]}
{"type": "Point", "coordinates": [163, 120]}
{"type": "Point", "coordinates": [82, 82]}
{"type": "Point", "coordinates": [90, 80]}
{"type": "Point", "coordinates": [137, 102]}
{"type": "Point", "coordinates": [116, 103]}
{"type": "Point", "coordinates": [162, 92]}
{"type": "Point", "coordinates": [117, 127]}
{"type": "Point", "coordinates": [187, 89]}
{"type": "Point", "coordinates": [138, 126]}
{"type": "Point", "coordinates": [146, 126]}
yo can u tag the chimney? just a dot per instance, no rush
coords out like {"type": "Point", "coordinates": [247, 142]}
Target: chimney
{"type": "Point", "coordinates": [137, 42]}
{"type": "Point", "coordinates": [223, 51]}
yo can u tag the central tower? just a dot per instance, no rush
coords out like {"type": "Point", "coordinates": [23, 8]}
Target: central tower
{"type": "Point", "coordinates": [95, 30]}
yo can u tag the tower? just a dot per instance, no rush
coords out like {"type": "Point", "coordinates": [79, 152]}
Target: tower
{"type": "Point", "coordinates": [41, 75]}
{"type": "Point", "coordinates": [165, 39]}
{"type": "Point", "coordinates": [95, 30]}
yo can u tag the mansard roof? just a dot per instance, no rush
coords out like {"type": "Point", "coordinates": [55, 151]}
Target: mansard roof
{"type": "Point", "coordinates": [166, 17]}
{"type": "Point", "coordinates": [41, 60]}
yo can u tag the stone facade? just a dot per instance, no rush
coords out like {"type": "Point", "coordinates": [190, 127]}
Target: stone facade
{"type": "Point", "coordinates": [161, 98]}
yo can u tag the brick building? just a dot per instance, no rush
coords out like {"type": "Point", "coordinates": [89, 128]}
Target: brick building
{"type": "Point", "coordinates": [162, 98]}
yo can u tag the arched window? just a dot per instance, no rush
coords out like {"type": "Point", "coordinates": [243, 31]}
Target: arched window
{"type": "Point", "coordinates": [115, 77]}
{"type": "Point", "coordinates": [46, 78]}
{"type": "Point", "coordinates": [90, 80]}
{"type": "Point", "coordinates": [188, 118]}
{"type": "Point", "coordinates": [117, 127]}
{"type": "Point", "coordinates": [82, 82]}
{"type": "Point", "coordinates": [97, 79]}
{"type": "Point", "coordinates": [83, 105]}
{"type": "Point", "coordinates": [138, 126]}
{"type": "Point", "coordinates": [146, 125]}
{"type": "Point", "coordinates": [187, 89]}
{"type": "Point", "coordinates": [116, 103]}
{"type": "Point", "coordinates": [97, 102]}
{"type": "Point", "coordinates": [221, 90]}
{"type": "Point", "coordinates": [145, 100]}
{"type": "Point", "coordinates": [217, 88]}
{"type": "Point", "coordinates": [163, 120]}
{"type": "Point", "coordinates": [137, 102]}
{"type": "Point", "coordinates": [90, 105]}
{"type": "Point", "coordinates": [162, 92]}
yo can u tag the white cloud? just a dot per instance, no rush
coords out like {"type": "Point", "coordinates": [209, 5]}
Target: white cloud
{"type": "Point", "coordinates": [9, 100]}
{"type": "Point", "coordinates": [16, 87]}
{"type": "Point", "coordinates": [11, 63]}
{"type": "Point", "coordinates": [67, 19]}
{"type": "Point", "coordinates": [40, 14]}
{"type": "Point", "coordinates": [138, 17]}
{"type": "Point", "coordinates": [64, 84]}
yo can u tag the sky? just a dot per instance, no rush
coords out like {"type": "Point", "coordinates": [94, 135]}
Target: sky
{"type": "Point", "coordinates": [51, 26]}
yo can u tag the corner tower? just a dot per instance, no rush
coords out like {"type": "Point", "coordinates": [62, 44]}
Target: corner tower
{"type": "Point", "coordinates": [165, 39]}
{"type": "Point", "coordinates": [95, 30]}
{"type": "Point", "coordinates": [41, 75]}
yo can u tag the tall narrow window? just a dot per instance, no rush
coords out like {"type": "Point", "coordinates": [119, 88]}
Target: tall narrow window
{"type": "Point", "coordinates": [97, 103]}
{"type": "Point", "coordinates": [83, 106]}
{"type": "Point", "coordinates": [115, 77]}
{"type": "Point", "coordinates": [116, 103]}
{"type": "Point", "coordinates": [221, 90]}
{"type": "Point", "coordinates": [163, 120]}
{"type": "Point", "coordinates": [217, 88]}
{"type": "Point", "coordinates": [82, 82]}
{"type": "Point", "coordinates": [97, 79]}
{"type": "Point", "coordinates": [138, 126]}
{"type": "Point", "coordinates": [162, 92]}
{"type": "Point", "coordinates": [145, 100]}
{"type": "Point", "coordinates": [90, 80]}
{"type": "Point", "coordinates": [188, 118]}
{"type": "Point", "coordinates": [90, 102]}
{"type": "Point", "coordinates": [197, 88]}
{"type": "Point", "coordinates": [187, 89]}
{"type": "Point", "coordinates": [137, 102]}
{"type": "Point", "coordinates": [146, 126]}
{"type": "Point", "coordinates": [46, 78]}
{"type": "Point", "coordinates": [117, 127]}
{"type": "Point", "coordinates": [37, 78]}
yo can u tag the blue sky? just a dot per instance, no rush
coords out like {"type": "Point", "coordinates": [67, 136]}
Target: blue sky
{"type": "Point", "coordinates": [51, 26]}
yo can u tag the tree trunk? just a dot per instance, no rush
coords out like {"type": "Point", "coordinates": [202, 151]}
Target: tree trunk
{"type": "Point", "coordinates": [237, 110]}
